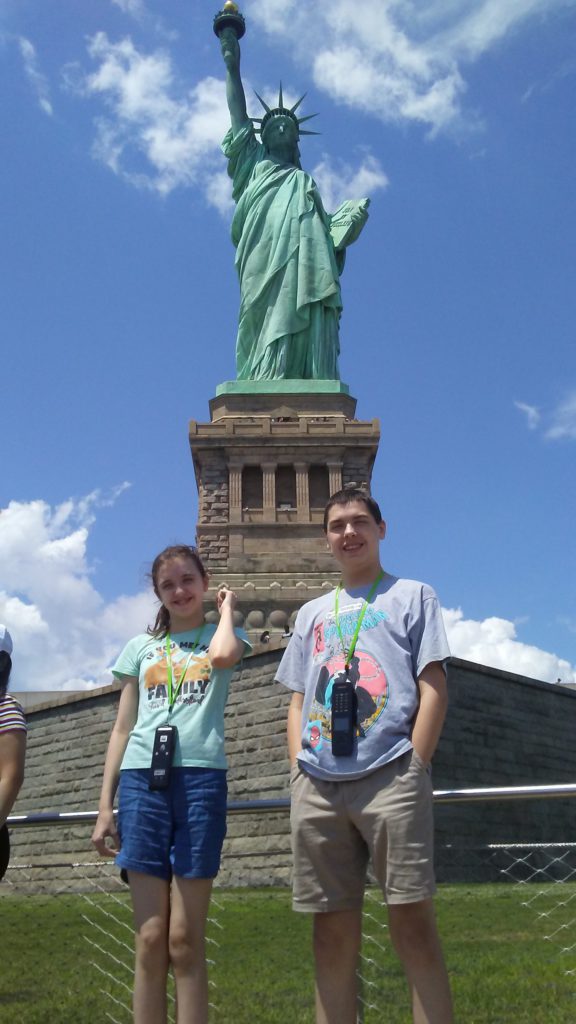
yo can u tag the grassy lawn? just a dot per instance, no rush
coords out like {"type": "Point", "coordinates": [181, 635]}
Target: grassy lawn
{"type": "Point", "coordinates": [503, 971]}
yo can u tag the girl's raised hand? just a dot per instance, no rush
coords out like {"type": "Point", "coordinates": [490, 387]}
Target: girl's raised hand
{"type": "Point", "coordinates": [226, 597]}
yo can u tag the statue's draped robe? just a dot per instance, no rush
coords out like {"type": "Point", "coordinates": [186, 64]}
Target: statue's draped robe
{"type": "Point", "coordinates": [287, 265]}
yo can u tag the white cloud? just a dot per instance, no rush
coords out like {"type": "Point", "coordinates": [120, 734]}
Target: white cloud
{"type": "Point", "coordinates": [539, 88]}
{"type": "Point", "coordinates": [493, 642]}
{"type": "Point", "coordinates": [154, 134]}
{"type": "Point", "coordinates": [477, 27]}
{"type": "Point", "coordinates": [135, 8]}
{"type": "Point", "coordinates": [157, 136]}
{"type": "Point", "coordinates": [338, 181]}
{"type": "Point", "coordinates": [531, 412]}
{"type": "Point", "coordinates": [558, 424]}
{"type": "Point", "coordinates": [37, 80]}
{"type": "Point", "coordinates": [387, 89]}
{"type": "Point", "coordinates": [564, 420]}
{"type": "Point", "coordinates": [138, 11]}
{"type": "Point", "coordinates": [219, 192]}
{"type": "Point", "coordinates": [399, 60]}
{"type": "Point", "coordinates": [65, 635]}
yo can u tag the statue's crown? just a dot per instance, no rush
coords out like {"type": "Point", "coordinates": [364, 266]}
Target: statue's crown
{"type": "Point", "coordinates": [282, 111]}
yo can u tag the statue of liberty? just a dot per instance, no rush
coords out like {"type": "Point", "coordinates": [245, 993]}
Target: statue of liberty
{"type": "Point", "coordinates": [289, 251]}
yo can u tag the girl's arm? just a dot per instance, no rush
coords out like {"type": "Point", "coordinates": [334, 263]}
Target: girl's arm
{"type": "Point", "coordinates": [12, 754]}
{"type": "Point", "coordinates": [125, 721]}
{"type": "Point", "coordinates": [226, 649]}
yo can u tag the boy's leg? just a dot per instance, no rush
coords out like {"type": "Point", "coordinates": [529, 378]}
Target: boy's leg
{"type": "Point", "coordinates": [330, 859]}
{"type": "Point", "coordinates": [415, 938]}
{"type": "Point", "coordinates": [337, 938]}
{"type": "Point", "coordinates": [394, 814]}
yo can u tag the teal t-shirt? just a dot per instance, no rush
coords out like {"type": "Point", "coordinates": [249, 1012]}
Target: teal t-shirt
{"type": "Point", "coordinates": [198, 711]}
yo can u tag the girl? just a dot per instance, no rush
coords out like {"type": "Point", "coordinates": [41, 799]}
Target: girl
{"type": "Point", "coordinates": [171, 820]}
{"type": "Point", "coordinates": [12, 747]}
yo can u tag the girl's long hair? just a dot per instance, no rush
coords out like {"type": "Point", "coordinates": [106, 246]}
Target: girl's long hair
{"type": "Point", "coordinates": [162, 624]}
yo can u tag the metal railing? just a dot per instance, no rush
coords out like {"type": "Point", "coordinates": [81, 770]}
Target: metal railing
{"type": "Point", "coordinates": [441, 796]}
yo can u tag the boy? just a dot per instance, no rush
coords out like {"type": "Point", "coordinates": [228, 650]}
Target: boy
{"type": "Point", "coordinates": [365, 664]}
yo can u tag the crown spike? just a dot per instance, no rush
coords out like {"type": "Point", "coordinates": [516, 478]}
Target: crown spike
{"type": "Point", "coordinates": [273, 112]}
{"type": "Point", "coordinates": [265, 105]}
{"type": "Point", "coordinates": [297, 104]}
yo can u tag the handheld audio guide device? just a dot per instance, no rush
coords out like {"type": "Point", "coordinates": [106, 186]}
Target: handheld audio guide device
{"type": "Point", "coordinates": [162, 756]}
{"type": "Point", "coordinates": [344, 717]}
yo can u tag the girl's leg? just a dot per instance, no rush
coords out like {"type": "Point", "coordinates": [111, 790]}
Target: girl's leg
{"type": "Point", "coordinates": [187, 945]}
{"type": "Point", "coordinates": [151, 905]}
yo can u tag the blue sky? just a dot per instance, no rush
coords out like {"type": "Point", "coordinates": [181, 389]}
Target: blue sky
{"type": "Point", "coordinates": [119, 300]}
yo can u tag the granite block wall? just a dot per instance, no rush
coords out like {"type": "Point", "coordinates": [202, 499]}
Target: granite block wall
{"type": "Point", "coordinates": [502, 729]}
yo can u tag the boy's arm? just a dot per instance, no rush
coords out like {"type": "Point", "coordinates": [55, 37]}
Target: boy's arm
{"type": "Point", "coordinates": [294, 726]}
{"type": "Point", "coordinates": [432, 710]}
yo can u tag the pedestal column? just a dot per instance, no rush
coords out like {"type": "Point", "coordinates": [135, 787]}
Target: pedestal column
{"type": "Point", "coordinates": [235, 485]}
{"type": "Point", "coordinates": [302, 491]}
{"type": "Point", "coordinates": [335, 476]}
{"type": "Point", "coordinates": [269, 487]}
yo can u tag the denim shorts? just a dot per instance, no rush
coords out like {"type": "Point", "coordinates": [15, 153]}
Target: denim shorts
{"type": "Point", "coordinates": [177, 831]}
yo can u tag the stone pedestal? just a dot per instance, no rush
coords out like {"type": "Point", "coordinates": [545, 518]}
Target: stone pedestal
{"type": "Point", "coordinates": [265, 466]}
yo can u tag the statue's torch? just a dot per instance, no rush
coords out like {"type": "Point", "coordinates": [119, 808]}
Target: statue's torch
{"type": "Point", "coordinates": [230, 17]}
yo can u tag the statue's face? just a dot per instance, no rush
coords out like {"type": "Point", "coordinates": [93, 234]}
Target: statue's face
{"type": "Point", "coordinates": [280, 136]}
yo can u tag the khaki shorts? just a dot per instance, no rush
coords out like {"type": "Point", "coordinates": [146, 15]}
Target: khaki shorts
{"type": "Point", "coordinates": [338, 827]}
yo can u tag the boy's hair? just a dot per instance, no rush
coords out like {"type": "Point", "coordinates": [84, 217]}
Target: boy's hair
{"type": "Point", "coordinates": [349, 494]}
{"type": "Point", "coordinates": [162, 624]}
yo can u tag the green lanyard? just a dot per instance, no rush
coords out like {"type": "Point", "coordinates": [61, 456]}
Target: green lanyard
{"type": "Point", "coordinates": [172, 696]}
{"type": "Point", "coordinates": [350, 654]}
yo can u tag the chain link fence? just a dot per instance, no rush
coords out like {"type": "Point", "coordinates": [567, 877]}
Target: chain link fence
{"type": "Point", "coordinates": [99, 930]}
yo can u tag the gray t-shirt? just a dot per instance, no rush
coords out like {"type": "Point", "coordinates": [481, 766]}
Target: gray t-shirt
{"type": "Point", "coordinates": [402, 632]}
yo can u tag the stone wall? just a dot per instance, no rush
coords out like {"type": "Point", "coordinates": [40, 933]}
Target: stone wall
{"type": "Point", "coordinates": [501, 730]}
{"type": "Point", "coordinates": [214, 508]}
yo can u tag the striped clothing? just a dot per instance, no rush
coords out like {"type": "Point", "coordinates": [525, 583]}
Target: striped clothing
{"type": "Point", "coordinates": [11, 715]}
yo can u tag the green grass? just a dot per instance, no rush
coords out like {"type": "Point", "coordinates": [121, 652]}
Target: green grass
{"type": "Point", "coordinates": [503, 971]}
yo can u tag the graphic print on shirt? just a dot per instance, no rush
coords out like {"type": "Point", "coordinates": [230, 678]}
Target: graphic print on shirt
{"type": "Point", "coordinates": [368, 676]}
{"type": "Point", "coordinates": [195, 683]}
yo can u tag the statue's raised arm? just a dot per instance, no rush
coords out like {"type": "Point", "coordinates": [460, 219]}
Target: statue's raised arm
{"type": "Point", "coordinates": [289, 251]}
{"type": "Point", "coordinates": [234, 89]}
